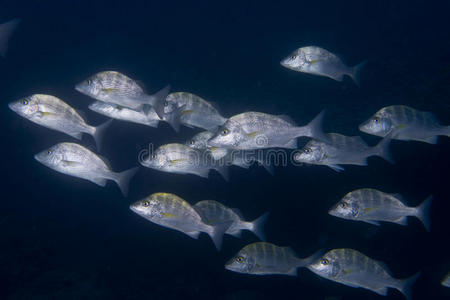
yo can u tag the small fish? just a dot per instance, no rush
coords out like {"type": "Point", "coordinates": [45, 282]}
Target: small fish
{"type": "Point", "coordinates": [195, 112]}
{"type": "Point", "coordinates": [114, 87]}
{"type": "Point", "coordinates": [408, 124]}
{"type": "Point", "coordinates": [126, 114]}
{"type": "Point", "coordinates": [75, 160]}
{"type": "Point", "coordinates": [53, 113]}
{"type": "Point", "coordinates": [6, 31]}
{"type": "Point", "coordinates": [254, 130]}
{"type": "Point", "coordinates": [171, 211]}
{"type": "Point", "coordinates": [181, 159]}
{"type": "Point", "coordinates": [352, 268]}
{"type": "Point", "coordinates": [213, 212]}
{"type": "Point", "coordinates": [342, 150]}
{"type": "Point", "coordinates": [266, 259]}
{"type": "Point", "coordinates": [318, 61]}
{"type": "Point", "coordinates": [371, 206]}
{"type": "Point", "coordinates": [446, 281]}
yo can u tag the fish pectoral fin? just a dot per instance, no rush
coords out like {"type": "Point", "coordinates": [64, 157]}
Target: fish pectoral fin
{"type": "Point", "coordinates": [253, 134]}
{"type": "Point", "coordinates": [177, 161]}
{"type": "Point", "coordinates": [169, 215]}
{"type": "Point", "coordinates": [187, 112]}
{"type": "Point", "coordinates": [376, 223]}
{"type": "Point", "coordinates": [313, 61]}
{"type": "Point", "coordinates": [402, 221]}
{"type": "Point", "coordinates": [110, 90]}
{"type": "Point", "coordinates": [42, 114]}
{"type": "Point", "coordinates": [368, 209]}
{"type": "Point", "coordinates": [193, 234]}
{"type": "Point", "coordinates": [347, 271]}
{"type": "Point", "coordinates": [99, 181]}
{"type": "Point", "coordinates": [70, 163]}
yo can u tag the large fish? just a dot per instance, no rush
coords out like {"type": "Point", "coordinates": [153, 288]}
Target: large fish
{"type": "Point", "coordinates": [192, 111]}
{"type": "Point", "coordinates": [6, 31]}
{"type": "Point", "coordinates": [213, 212]}
{"type": "Point", "coordinates": [114, 87]}
{"type": "Point", "coordinates": [266, 259]}
{"type": "Point", "coordinates": [342, 150]}
{"type": "Point", "coordinates": [352, 268]}
{"type": "Point", "coordinates": [371, 206]}
{"type": "Point", "coordinates": [126, 114]}
{"type": "Point", "coordinates": [255, 130]}
{"type": "Point", "coordinates": [75, 160]}
{"type": "Point", "coordinates": [408, 124]}
{"type": "Point", "coordinates": [53, 113]}
{"type": "Point", "coordinates": [171, 211]}
{"type": "Point", "coordinates": [181, 159]}
{"type": "Point", "coordinates": [318, 61]}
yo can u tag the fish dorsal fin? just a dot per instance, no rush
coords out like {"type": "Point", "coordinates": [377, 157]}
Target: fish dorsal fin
{"type": "Point", "coordinates": [105, 160]}
{"type": "Point", "coordinates": [383, 265]}
{"type": "Point", "coordinates": [400, 198]}
{"type": "Point", "coordinates": [290, 252]}
{"type": "Point", "coordinates": [287, 119]}
{"type": "Point", "coordinates": [82, 114]}
{"type": "Point", "coordinates": [141, 84]}
{"type": "Point", "coordinates": [237, 212]}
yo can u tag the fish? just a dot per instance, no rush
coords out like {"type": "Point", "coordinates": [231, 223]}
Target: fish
{"type": "Point", "coordinates": [240, 158]}
{"type": "Point", "coordinates": [256, 130]}
{"type": "Point", "coordinates": [318, 61]}
{"type": "Point", "coordinates": [75, 160]}
{"type": "Point", "coordinates": [6, 31]}
{"type": "Point", "coordinates": [192, 111]}
{"type": "Point", "coordinates": [446, 281]}
{"type": "Point", "coordinates": [342, 150]}
{"type": "Point", "coordinates": [126, 114]}
{"type": "Point", "coordinates": [213, 212]}
{"type": "Point", "coordinates": [52, 112]}
{"type": "Point", "coordinates": [181, 159]}
{"type": "Point", "coordinates": [116, 88]}
{"type": "Point", "coordinates": [169, 210]}
{"type": "Point", "coordinates": [409, 124]}
{"type": "Point", "coordinates": [263, 258]}
{"type": "Point", "coordinates": [352, 268]}
{"type": "Point", "coordinates": [372, 206]}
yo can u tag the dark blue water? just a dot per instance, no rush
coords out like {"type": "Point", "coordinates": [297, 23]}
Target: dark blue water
{"type": "Point", "coordinates": [65, 238]}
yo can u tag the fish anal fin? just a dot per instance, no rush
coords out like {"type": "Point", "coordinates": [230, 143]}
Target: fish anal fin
{"type": "Point", "coordinates": [381, 291]}
{"type": "Point", "coordinates": [402, 221]}
{"type": "Point", "coordinates": [99, 181]}
{"type": "Point", "coordinates": [193, 234]}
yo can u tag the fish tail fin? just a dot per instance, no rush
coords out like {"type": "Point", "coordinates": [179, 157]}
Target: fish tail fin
{"type": "Point", "coordinates": [314, 129]}
{"type": "Point", "coordinates": [303, 262]}
{"type": "Point", "coordinates": [217, 233]}
{"type": "Point", "coordinates": [382, 149]}
{"type": "Point", "coordinates": [406, 285]}
{"type": "Point", "coordinates": [123, 179]}
{"type": "Point", "coordinates": [174, 118]}
{"type": "Point", "coordinates": [223, 170]}
{"type": "Point", "coordinates": [258, 226]}
{"type": "Point", "coordinates": [356, 73]}
{"type": "Point", "coordinates": [157, 101]}
{"type": "Point", "coordinates": [446, 131]}
{"type": "Point", "coordinates": [99, 133]}
{"type": "Point", "coordinates": [423, 212]}
{"type": "Point", "coordinates": [6, 30]}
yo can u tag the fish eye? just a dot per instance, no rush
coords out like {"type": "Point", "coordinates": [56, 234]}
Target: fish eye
{"type": "Point", "coordinates": [293, 56]}
{"type": "Point", "coordinates": [146, 203]}
{"type": "Point", "coordinates": [343, 204]}
{"type": "Point", "coordinates": [153, 156]}
{"type": "Point", "coordinates": [192, 142]}
{"type": "Point", "coordinates": [24, 102]}
{"type": "Point", "coordinates": [307, 150]}
{"type": "Point", "coordinates": [324, 261]}
{"type": "Point", "coordinates": [166, 103]}
{"type": "Point", "coordinates": [377, 119]}
{"type": "Point", "coordinates": [239, 259]}
{"type": "Point", "coordinates": [225, 131]}
{"type": "Point", "coordinates": [49, 151]}
{"type": "Point", "coordinates": [89, 81]}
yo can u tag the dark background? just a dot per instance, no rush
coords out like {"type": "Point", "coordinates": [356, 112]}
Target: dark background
{"type": "Point", "coordinates": [65, 238]}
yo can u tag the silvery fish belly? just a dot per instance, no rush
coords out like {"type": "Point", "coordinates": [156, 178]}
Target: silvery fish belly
{"type": "Point", "coordinates": [371, 206]}
{"type": "Point", "coordinates": [352, 268]}
{"type": "Point", "coordinates": [126, 114]}
{"type": "Point", "coordinates": [195, 112]}
{"type": "Point", "coordinates": [114, 87]}
{"type": "Point", "coordinates": [318, 61]}
{"type": "Point", "coordinates": [75, 160]}
{"type": "Point", "coordinates": [407, 124]}
{"type": "Point", "coordinates": [265, 259]}
{"type": "Point", "coordinates": [342, 150]}
{"type": "Point", "coordinates": [181, 159]}
{"type": "Point", "coordinates": [254, 130]}
{"type": "Point", "coordinates": [173, 212]}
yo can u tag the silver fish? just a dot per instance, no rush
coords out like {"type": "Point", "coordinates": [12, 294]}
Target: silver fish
{"type": "Point", "coordinates": [114, 87]}
{"type": "Point", "coordinates": [213, 212]}
{"type": "Point", "coordinates": [6, 31]}
{"type": "Point", "coordinates": [181, 159]}
{"type": "Point", "coordinates": [192, 111]}
{"type": "Point", "coordinates": [446, 281]}
{"type": "Point", "coordinates": [171, 211]}
{"type": "Point", "coordinates": [318, 61]}
{"type": "Point", "coordinates": [254, 130]}
{"type": "Point", "coordinates": [266, 259]}
{"type": "Point", "coordinates": [352, 268]}
{"type": "Point", "coordinates": [53, 113]}
{"type": "Point", "coordinates": [342, 150]}
{"type": "Point", "coordinates": [126, 114]}
{"type": "Point", "coordinates": [75, 160]}
{"type": "Point", "coordinates": [371, 206]}
{"type": "Point", "coordinates": [407, 123]}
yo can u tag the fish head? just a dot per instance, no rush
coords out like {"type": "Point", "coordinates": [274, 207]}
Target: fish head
{"type": "Point", "coordinates": [91, 87]}
{"type": "Point", "coordinates": [347, 208]}
{"type": "Point", "coordinates": [377, 125]}
{"type": "Point", "coordinates": [170, 104]}
{"type": "Point", "coordinates": [147, 207]}
{"type": "Point", "coordinates": [200, 140]}
{"type": "Point", "coordinates": [313, 153]}
{"type": "Point", "coordinates": [156, 160]}
{"type": "Point", "coordinates": [51, 157]}
{"type": "Point", "coordinates": [229, 135]}
{"type": "Point", "coordinates": [25, 107]}
{"type": "Point", "coordinates": [295, 61]}
{"type": "Point", "coordinates": [327, 266]}
{"type": "Point", "coordinates": [242, 262]}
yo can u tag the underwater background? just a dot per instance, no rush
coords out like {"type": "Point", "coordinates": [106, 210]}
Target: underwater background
{"type": "Point", "coordinates": [65, 238]}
